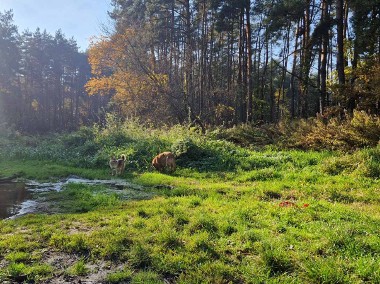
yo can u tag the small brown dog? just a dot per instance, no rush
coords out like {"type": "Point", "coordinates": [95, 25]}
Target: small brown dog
{"type": "Point", "coordinates": [117, 165]}
{"type": "Point", "coordinates": [165, 160]}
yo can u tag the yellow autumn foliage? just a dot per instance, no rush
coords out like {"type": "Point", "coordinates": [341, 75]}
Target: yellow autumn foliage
{"type": "Point", "coordinates": [120, 68]}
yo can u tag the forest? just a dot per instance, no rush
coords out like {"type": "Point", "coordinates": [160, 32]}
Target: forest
{"type": "Point", "coordinates": [210, 62]}
{"type": "Point", "coordinates": [269, 108]}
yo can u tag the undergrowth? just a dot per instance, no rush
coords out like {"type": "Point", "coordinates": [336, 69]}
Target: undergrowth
{"type": "Point", "coordinates": [322, 133]}
{"type": "Point", "coordinates": [91, 147]}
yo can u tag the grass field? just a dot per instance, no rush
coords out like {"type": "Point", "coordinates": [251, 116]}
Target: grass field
{"type": "Point", "coordinates": [232, 215]}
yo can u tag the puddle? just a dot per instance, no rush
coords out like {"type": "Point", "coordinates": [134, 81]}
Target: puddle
{"type": "Point", "coordinates": [12, 196]}
{"type": "Point", "coordinates": [57, 186]}
{"type": "Point", "coordinates": [16, 197]}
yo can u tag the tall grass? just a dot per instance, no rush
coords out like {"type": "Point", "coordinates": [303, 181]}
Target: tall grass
{"type": "Point", "coordinates": [91, 147]}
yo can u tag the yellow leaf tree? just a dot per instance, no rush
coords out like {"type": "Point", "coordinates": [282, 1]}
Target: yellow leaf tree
{"type": "Point", "coordinates": [123, 67]}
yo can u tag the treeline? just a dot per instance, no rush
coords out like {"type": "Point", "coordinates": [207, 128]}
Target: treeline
{"type": "Point", "coordinates": [42, 80]}
{"type": "Point", "coordinates": [211, 62]}
{"type": "Point", "coordinates": [236, 61]}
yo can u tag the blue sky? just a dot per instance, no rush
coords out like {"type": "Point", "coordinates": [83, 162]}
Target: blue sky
{"type": "Point", "coordinates": [80, 19]}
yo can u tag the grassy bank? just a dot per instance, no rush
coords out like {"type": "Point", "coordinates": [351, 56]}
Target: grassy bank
{"type": "Point", "coordinates": [227, 215]}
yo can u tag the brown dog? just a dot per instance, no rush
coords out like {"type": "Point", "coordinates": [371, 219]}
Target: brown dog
{"type": "Point", "coordinates": [117, 165]}
{"type": "Point", "coordinates": [165, 160]}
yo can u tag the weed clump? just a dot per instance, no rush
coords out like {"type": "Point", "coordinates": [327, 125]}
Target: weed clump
{"type": "Point", "coordinates": [277, 260]}
{"type": "Point", "coordinates": [139, 256]}
{"type": "Point", "coordinates": [365, 163]}
{"type": "Point", "coordinates": [119, 276]}
{"type": "Point", "coordinates": [79, 268]}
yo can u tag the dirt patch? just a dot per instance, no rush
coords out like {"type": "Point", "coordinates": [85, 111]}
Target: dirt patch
{"type": "Point", "coordinates": [61, 264]}
{"type": "Point", "coordinates": [98, 270]}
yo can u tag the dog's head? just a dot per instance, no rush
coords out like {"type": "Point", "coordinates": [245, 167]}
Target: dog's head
{"type": "Point", "coordinates": [112, 162]}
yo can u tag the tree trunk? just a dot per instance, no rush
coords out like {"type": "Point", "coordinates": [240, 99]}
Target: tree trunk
{"type": "Point", "coordinates": [323, 56]}
{"type": "Point", "coordinates": [188, 99]}
{"type": "Point", "coordinates": [293, 89]}
{"type": "Point", "coordinates": [305, 65]}
{"type": "Point", "coordinates": [340, 46]}
{"type": "Point", "coordinates": [249, 62]}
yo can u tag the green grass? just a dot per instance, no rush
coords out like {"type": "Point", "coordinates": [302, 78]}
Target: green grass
{"type": "Point", "coordinates": [256, 217]}
{"type": "Point", "coordinates": [79, 198]}
{"type": "Point", "coordinates": [48, 170]}
{"type": "Point", "coordinates": [119, 276]}
{"type": "Point", "coordinates": [78, 269]}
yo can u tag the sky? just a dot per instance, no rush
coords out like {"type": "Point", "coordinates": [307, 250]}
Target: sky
{"type": "Point", "coordinates": [80, 19]}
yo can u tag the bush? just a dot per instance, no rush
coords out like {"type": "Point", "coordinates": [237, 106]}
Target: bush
{"type": "Point", "coordinates": [354, 131]}
{"type": "Point", "coordinates": [185, 148]}
{"type": "Point", "coordinates": [248, 135]}
{"type": "Point", "coordinates": [78, 138]}
{"type": "Point", "coordinates": [370, 162]}
{"type": "Point", "coordinates": [364, 163]}
{"type": "Point", "coordinates": [360, 130]}
{"type": "Point", "coordinates": [187, 152]}
{"type": "Point", "coordinates": [338, 165]}
{"type": "Point", "coordinates": [214, 151]}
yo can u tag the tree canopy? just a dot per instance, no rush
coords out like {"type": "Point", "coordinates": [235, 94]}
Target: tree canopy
{"type": "Point", "coordinates": [228, 62]}
{"type": "Point", "coordinates": [220, 62]}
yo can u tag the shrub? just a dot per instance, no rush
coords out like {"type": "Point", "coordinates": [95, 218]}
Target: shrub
{"type": "Point", "coordinates": [371, 158]}
{"type": "Point", "coordinates": [78, 138]}
{"type": "Point", "coordinates": [248, 135]}
{"type": "Point", "coordinates": [185, 148]}
{"type": "Point", "coordinates": [356, 131]}
{"type": "Point", "coordinates": [364, 163]}
{"type": "Point", "coordinates": [338, 165]}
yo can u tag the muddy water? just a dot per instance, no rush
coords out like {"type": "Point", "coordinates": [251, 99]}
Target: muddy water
{"type": "Point", "coordinates": [16, 197]}
{"type": "Point", "coordinates": [12, 197]}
